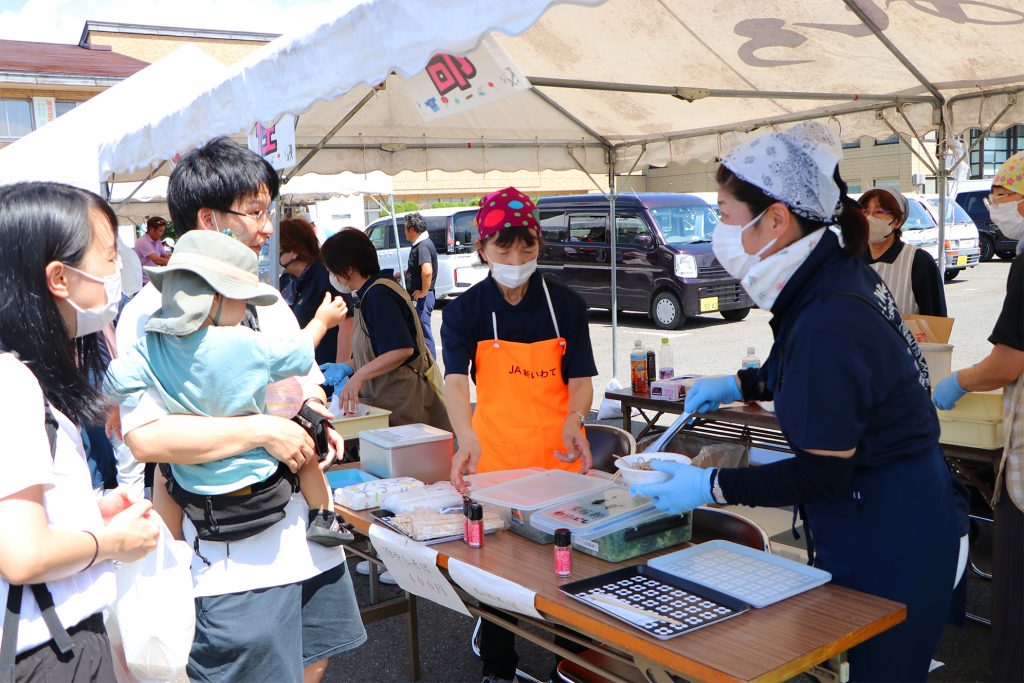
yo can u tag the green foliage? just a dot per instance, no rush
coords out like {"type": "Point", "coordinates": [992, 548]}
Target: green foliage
{"type": "Point", "coordinates": [447, 205]}
{"type": "Point", "coordinates": [400, 207]}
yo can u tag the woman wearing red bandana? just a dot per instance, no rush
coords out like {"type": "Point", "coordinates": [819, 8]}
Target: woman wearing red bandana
{"type": "Point", "coordinates": [525, 342]}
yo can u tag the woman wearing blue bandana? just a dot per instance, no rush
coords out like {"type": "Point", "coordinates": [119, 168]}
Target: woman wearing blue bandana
{"type": "Point", "coordinates": [851, 394]}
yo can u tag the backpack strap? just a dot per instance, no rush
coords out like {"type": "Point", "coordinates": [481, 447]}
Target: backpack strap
{"type": "Point", "coordinates": [12, 613]}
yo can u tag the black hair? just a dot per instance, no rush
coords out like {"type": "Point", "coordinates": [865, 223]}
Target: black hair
{"type": "Point", "coordinates": [41, 223]}
{"type": "Point", "coordinates": [851, 218]}
{"type": "Point", "coordinates": [415, 222]}
{"type": "Point", "coordinates": [215, 176]}
{"type": "Point", "coordinates": [887, 202]}
{"type": "Point", "coordinates": [506, 237]}
{"type": "Point", "coordinates": [350, 250]}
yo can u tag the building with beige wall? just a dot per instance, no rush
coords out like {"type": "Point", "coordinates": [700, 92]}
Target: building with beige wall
{"type": "Point", "coordinates": [150, 43]}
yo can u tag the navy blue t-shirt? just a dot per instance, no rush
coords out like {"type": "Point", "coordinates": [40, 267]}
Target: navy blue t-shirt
{"type": "Point", "coordinates": [307, 293]}
{"type": "Point", "coordinates": [467, 320]}
{"type": "Point", "coordinates": [388, 317]}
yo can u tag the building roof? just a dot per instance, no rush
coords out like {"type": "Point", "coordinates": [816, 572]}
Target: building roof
{"type": "Point", "coordinates": [173, 31]}
{"type": "Point", "coordinates": [22, 61]}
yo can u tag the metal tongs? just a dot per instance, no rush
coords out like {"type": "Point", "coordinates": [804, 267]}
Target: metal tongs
{"type": "Point", "coordinates": [662, 442]}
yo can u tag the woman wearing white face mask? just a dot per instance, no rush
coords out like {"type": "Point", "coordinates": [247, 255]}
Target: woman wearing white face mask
{"type": "Point", "coordinates": [526, 343]}
{"type": "Point", "coordinates": [882, 513]}
{"type": "Point", "coordinates": [1004, 368]}
{"type": "Point", "coordinates": [59, 275]}
{"type": "Point", "coordinates": [911, 274]}
{"type": "Point", "coordinates": [392, 367]}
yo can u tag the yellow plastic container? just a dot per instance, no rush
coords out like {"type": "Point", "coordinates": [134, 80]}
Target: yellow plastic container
{"type": "Point", "coordinates": [349, 426]}
{"type": "Point", "coordinates": [970, 433]}
{"type": "Point", "coordinates": [987, 406]}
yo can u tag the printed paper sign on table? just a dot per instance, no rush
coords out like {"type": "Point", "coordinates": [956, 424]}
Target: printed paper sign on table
{"type": "Point", "coordinates": [451, 84]}
{"type": "Point", "coordinates": [414, 566]}
{"type": "Point", "coordinates": [493, 590]}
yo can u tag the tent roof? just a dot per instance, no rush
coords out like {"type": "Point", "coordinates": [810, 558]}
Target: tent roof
{"type": "Point", "coordinates": [653, 80]}
{"type": "Point", "coordinates": [311, 187]}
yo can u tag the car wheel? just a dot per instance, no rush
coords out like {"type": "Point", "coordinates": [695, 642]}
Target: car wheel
{"type": "Point", "coordinates": [736, 314]}
{"type": "Point", "coordinates": [667, 312]}
{"type": "Point", "coordinates": [988, 248]}
{"type": "Point", "coordinates": [1007, 255]}
{"type": "Point", "coordinates": [951, 273]}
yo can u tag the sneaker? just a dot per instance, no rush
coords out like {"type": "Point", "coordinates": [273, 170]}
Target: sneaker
{"type": "Point", "coordinates": [325, 530]}
{"type": "Point", "coordinates": [384, 577]}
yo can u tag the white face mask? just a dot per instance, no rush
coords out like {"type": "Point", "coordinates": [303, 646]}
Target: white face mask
{"type": "Point", "coordinates": [766, 279]}
{"type": "Point", "coordinates": [92, 320]}
{"type": "Point", "coordinates": [1007, 219]}
{"type": "Point", "coordinates": [513, 276]}
{"type": "Point", "coordinates": [878, 229]}
{"type": "Point", "coordinates": [727, 243]}
{"type": "Point", "coordinates": [336, 283]}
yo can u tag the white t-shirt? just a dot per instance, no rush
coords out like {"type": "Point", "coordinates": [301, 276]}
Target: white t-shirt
{"type": "Point", "coordinates": [277, 556]}
{"type": "Point", "coordinates": [68, 497]}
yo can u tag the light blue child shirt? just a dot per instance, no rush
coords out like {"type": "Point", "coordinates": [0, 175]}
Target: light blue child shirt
{"type": "Point", "coordinates": [215, 372]}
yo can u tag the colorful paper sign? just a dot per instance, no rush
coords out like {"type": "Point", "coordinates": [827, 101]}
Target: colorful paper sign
{"type": "Point", "coordinates": [275, 143]}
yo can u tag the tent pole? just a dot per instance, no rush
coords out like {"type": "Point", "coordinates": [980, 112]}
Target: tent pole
{"type": "Point", "coordinates": [345, 119]}
{"type": "Point", "coordinates": [909, 144]}
{"type": "Point", "coordinates": [398, 245]}
{"type": "Point", "coordinates": [940, 181]}
{"type": "Point", "coordinates": [139, 186]}
{"type": "Point", "coordinates": [613, 225]}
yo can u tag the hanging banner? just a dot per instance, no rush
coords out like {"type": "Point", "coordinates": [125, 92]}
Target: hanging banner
{"type": "Point", "coordinates": [451, 84]}
{"type": "Point", "coordinates": [275, 143]}
{"type": "Point", "coordinates": [492, 589]}
{"type": "Point", "coordinates": [44, 110]}
{"type": "Point", "coordinates": [414, 566]}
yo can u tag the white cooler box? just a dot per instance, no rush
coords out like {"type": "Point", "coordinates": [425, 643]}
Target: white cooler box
{"type": "Point", "coordinates": [417, 450]}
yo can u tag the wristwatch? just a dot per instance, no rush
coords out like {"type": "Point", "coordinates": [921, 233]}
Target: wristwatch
{"type": "Point", "coordinates": [716, 489]}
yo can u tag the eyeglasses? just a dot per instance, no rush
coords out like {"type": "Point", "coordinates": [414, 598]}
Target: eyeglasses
{"type": "Point", "coordinates": [880, 213]}
{"type": "Point", "coordinates": [260, 217]}
{"type": "Point", "coordinates": [993, 199]}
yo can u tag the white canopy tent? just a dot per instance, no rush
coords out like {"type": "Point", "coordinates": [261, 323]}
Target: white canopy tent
{"type": "Point", "coordinates": [612, 84]}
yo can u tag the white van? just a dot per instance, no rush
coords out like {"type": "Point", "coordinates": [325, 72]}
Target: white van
{"type": "Point", "coordinates": [962, 247]}
{"type": "Point", "coordinates": [454, 234]}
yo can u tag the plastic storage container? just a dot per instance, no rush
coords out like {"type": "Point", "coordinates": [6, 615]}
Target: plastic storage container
{"type": "Point", "coordinates": [519, 499]}
{"type": "Point", "coordinates": [939, 358]}
{"type": "Point", "coordinates": [987, 405]}
{"type": "Point", "coordinates": [415, 450]}
{"type": "Point", "coordinates": [614, 526]}
{"type": "Point", "coordinates": [367, 417]}
{"type": "Point", "coordinates": [970, 433]}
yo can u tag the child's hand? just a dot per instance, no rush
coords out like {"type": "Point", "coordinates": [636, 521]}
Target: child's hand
{"type": "Point", "coordinates": [332, 311]}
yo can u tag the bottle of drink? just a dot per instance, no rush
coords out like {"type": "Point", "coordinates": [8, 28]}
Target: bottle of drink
{"type": "Point", "coordinates": [652, 367]}
{"type": "Point", "coordinates": [666, 368]}
{"type": "Point", "coordinates": [750, 360]}
{"type": "Point", "coordinates": [638, 368]}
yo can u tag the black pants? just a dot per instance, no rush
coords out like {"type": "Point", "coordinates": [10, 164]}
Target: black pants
{"type": "Point", "coordinates": [1008, 592]}
{"type": "Point", "coordinates": [498, 649]}
{"type": "Point", "coordinates": [90, 659]}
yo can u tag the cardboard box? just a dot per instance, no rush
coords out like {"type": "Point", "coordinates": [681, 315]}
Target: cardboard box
{"type": "Point", "coordinates": [668, 389]}
{"type": "Point", "coordinates": [929, 328]}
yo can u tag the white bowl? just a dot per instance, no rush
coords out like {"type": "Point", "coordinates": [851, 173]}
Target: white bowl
{"type": "Point", "coordinates": [633, 476]}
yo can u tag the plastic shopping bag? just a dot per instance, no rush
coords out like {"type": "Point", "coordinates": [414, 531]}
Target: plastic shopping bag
{"type": "Point", "coordinates": [609, 408]}
{"type": "Point", "coordinates": [155, 611]}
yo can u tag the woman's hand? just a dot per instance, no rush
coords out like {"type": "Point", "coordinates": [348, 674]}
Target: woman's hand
{"type": "Point", "coordinates": [576, 445]}
{"type": "Point", "coordinates": [348, 399]}
{"type": "Point", "coordinates": [332, 311]}
{"type": "Point", "coordinates": [131, 534]}
{"type": "Point", "coordinates": [115, 502]}
{"type": "Point", "coordinates": [287, 442]}
{"type": "Point", "coordinates": [465, 461]}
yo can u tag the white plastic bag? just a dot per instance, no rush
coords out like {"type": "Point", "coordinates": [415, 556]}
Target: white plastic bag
{"type": "Point", "coordinates": [609, 408]}
{"type": "Point", "coordinates": [155, 611]}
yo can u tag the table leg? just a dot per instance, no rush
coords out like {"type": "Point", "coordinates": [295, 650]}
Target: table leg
{"type": "Point", "coordinates": [412, 632]}
{"type": "Point", "coordinates": [627, 417]}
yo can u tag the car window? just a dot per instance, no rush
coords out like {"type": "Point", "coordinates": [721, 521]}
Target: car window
{"type": "Point", "coordinates": [465, 230]}
{"type": "Point", "coordinates": [379, 234]}
{"type": "Point", "coordinates": [685, 224]}
{"type": "Point", "coordinates": [552, 226]}
{"type": "Point", "coordinates": [954, 212]}
{"type": "Point", "coordinates": [588, 228]}
{"type": "Point", "coordinates": [974, 204]}
{"type": "Point", "coordinates": [629, 228]}
{"type": "Point", "coordinates": [919, 218]}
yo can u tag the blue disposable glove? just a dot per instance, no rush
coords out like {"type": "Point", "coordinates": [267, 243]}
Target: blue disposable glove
{"type": "Point", "coordinates": [708, 393]}
{"type": "Point", "coordinates": [688, 488]}
{"type": "Point", "coordinates": [947, 392]}
{"type": "Point", "coordinates": [336, 374]}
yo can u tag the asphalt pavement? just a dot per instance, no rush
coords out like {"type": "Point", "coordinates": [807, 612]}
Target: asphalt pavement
{"type": "Point", "coordinates": [705, 345]}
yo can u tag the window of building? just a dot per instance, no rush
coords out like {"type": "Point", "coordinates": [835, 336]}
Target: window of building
{"type": "Point", "coordinates": [62, 108]}
{"type": "Point", "coordinates": [853, 188]}
{"type": "Point", "coordinates": [892, 183]}
{"type": "Point", "coordinates": [15, 118]}
{"type": "Point", "coordinates": [994, 149]}
{"type": "Point", "coordinates": [851, 145]}
{"type": "Point", "coordinates": [891, 140]}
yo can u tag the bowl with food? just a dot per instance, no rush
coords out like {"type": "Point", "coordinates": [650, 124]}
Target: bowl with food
{"type": "Point", "coordinates": [638, 468]}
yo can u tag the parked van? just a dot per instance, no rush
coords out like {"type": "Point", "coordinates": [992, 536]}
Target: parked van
{"type": "Point", "coordinates": [962, 249]}
{"type": "Point", "coordinates": [971, 195]}
{"type": "Point", "coordinates": [665, 266]}
{"type": "Point", "coordinates": [454, 234]}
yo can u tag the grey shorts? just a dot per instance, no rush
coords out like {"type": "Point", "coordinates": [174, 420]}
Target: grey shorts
{"type": "Point", "coordinates": [271, 634]}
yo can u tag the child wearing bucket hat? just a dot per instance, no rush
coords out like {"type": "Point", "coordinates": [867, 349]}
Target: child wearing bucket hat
{"type": "Point", "coordinates": [201, 361]}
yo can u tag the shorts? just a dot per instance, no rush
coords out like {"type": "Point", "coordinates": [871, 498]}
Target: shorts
{"type": "Point", "coordinates": [89, 661]}
{"type": "Point", "coordinates": [250, 636]}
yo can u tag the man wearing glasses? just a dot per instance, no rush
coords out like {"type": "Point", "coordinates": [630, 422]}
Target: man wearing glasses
{"type": "Point", "coordinates": [269, 607]}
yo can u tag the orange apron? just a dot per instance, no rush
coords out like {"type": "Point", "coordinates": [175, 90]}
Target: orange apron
{"type": "Point", "coordinates": [521, 401]}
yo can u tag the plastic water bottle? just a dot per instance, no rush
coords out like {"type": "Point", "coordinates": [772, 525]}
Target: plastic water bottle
{"type": "Point", "coordinates": [666, 368]}
{"type": "Point", "coordinates": [638, 369]}
{"type": "Point", "coordinates": [750, 360]}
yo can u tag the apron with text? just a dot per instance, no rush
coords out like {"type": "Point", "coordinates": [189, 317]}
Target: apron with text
{"type": "Point", "coordinates": [521, 401]}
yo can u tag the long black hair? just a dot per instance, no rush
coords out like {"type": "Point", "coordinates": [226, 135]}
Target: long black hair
{"type": "Point", "coordinates": [851, 218]}
{"type": "Point", "coordinates": [41, 223]}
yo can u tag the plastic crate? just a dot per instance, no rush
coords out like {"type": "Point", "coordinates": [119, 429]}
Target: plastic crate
{"type": "Point", "coordinates": [350, 425]}
{"type": "Point", "coordinates": [985, 406]}
{"type": "Point", "coordinates": [970, 433]}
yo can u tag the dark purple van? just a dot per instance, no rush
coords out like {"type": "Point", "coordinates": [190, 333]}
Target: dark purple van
{"type": "Point", "coordinates": [665, 264]}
